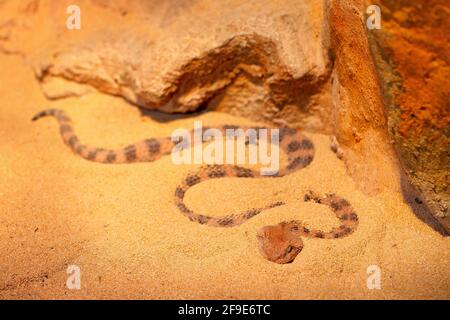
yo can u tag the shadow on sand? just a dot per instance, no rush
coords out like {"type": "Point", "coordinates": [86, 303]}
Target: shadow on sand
{"type": "Point", "coordinates": [415, 201]}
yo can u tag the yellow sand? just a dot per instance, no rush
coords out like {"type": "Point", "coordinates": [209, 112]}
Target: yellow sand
{"type": "Point", "coordinates": [120, 225]}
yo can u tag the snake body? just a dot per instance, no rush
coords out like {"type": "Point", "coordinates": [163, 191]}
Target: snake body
{"type": "Point", "coordinates": [300, 152]}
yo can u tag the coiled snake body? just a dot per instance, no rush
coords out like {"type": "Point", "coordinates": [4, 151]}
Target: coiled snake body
{"type": "Point", "coordinates": [280, 243]}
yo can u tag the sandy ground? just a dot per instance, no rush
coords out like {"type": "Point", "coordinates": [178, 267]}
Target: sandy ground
{"type": "Point", "coordinates": [119, 224]}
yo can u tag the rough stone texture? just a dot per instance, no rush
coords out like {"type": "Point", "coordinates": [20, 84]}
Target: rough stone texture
{"type": "Point", "coordinates": [265, 60]}
{"type": "Point", "coordinates": [305, 64]}
{"type": "Point", "coordinates": [359, 122]}
{"type": "Point", "coordinates": [411, 53]}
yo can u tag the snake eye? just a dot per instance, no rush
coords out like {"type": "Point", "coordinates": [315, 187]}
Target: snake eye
{"type": "Point", "coordinates": [294, 228]}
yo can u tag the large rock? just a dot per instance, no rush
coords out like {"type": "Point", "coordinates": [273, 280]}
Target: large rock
{"type": "Point", "coordinates": [264, 58]}
{"type": "Point", "coordinates": [411, 53]}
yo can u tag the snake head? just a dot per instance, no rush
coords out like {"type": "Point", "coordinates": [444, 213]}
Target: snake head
{"type": "Point", "coordinates": [280, 243]}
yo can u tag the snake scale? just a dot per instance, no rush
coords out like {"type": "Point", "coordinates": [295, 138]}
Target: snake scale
{"type": "Point", "coordinates": [280, 243]}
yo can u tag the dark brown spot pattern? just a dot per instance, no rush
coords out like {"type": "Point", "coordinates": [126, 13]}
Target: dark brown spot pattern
{"type": "Point", "coordinates": [153, 146]}
{"type": "Point", "coordinates": [192, 180]}
{"type": "Point", "coordinates": [130, 153]}
{"type": "Point", "coordinates": [111, 157]}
